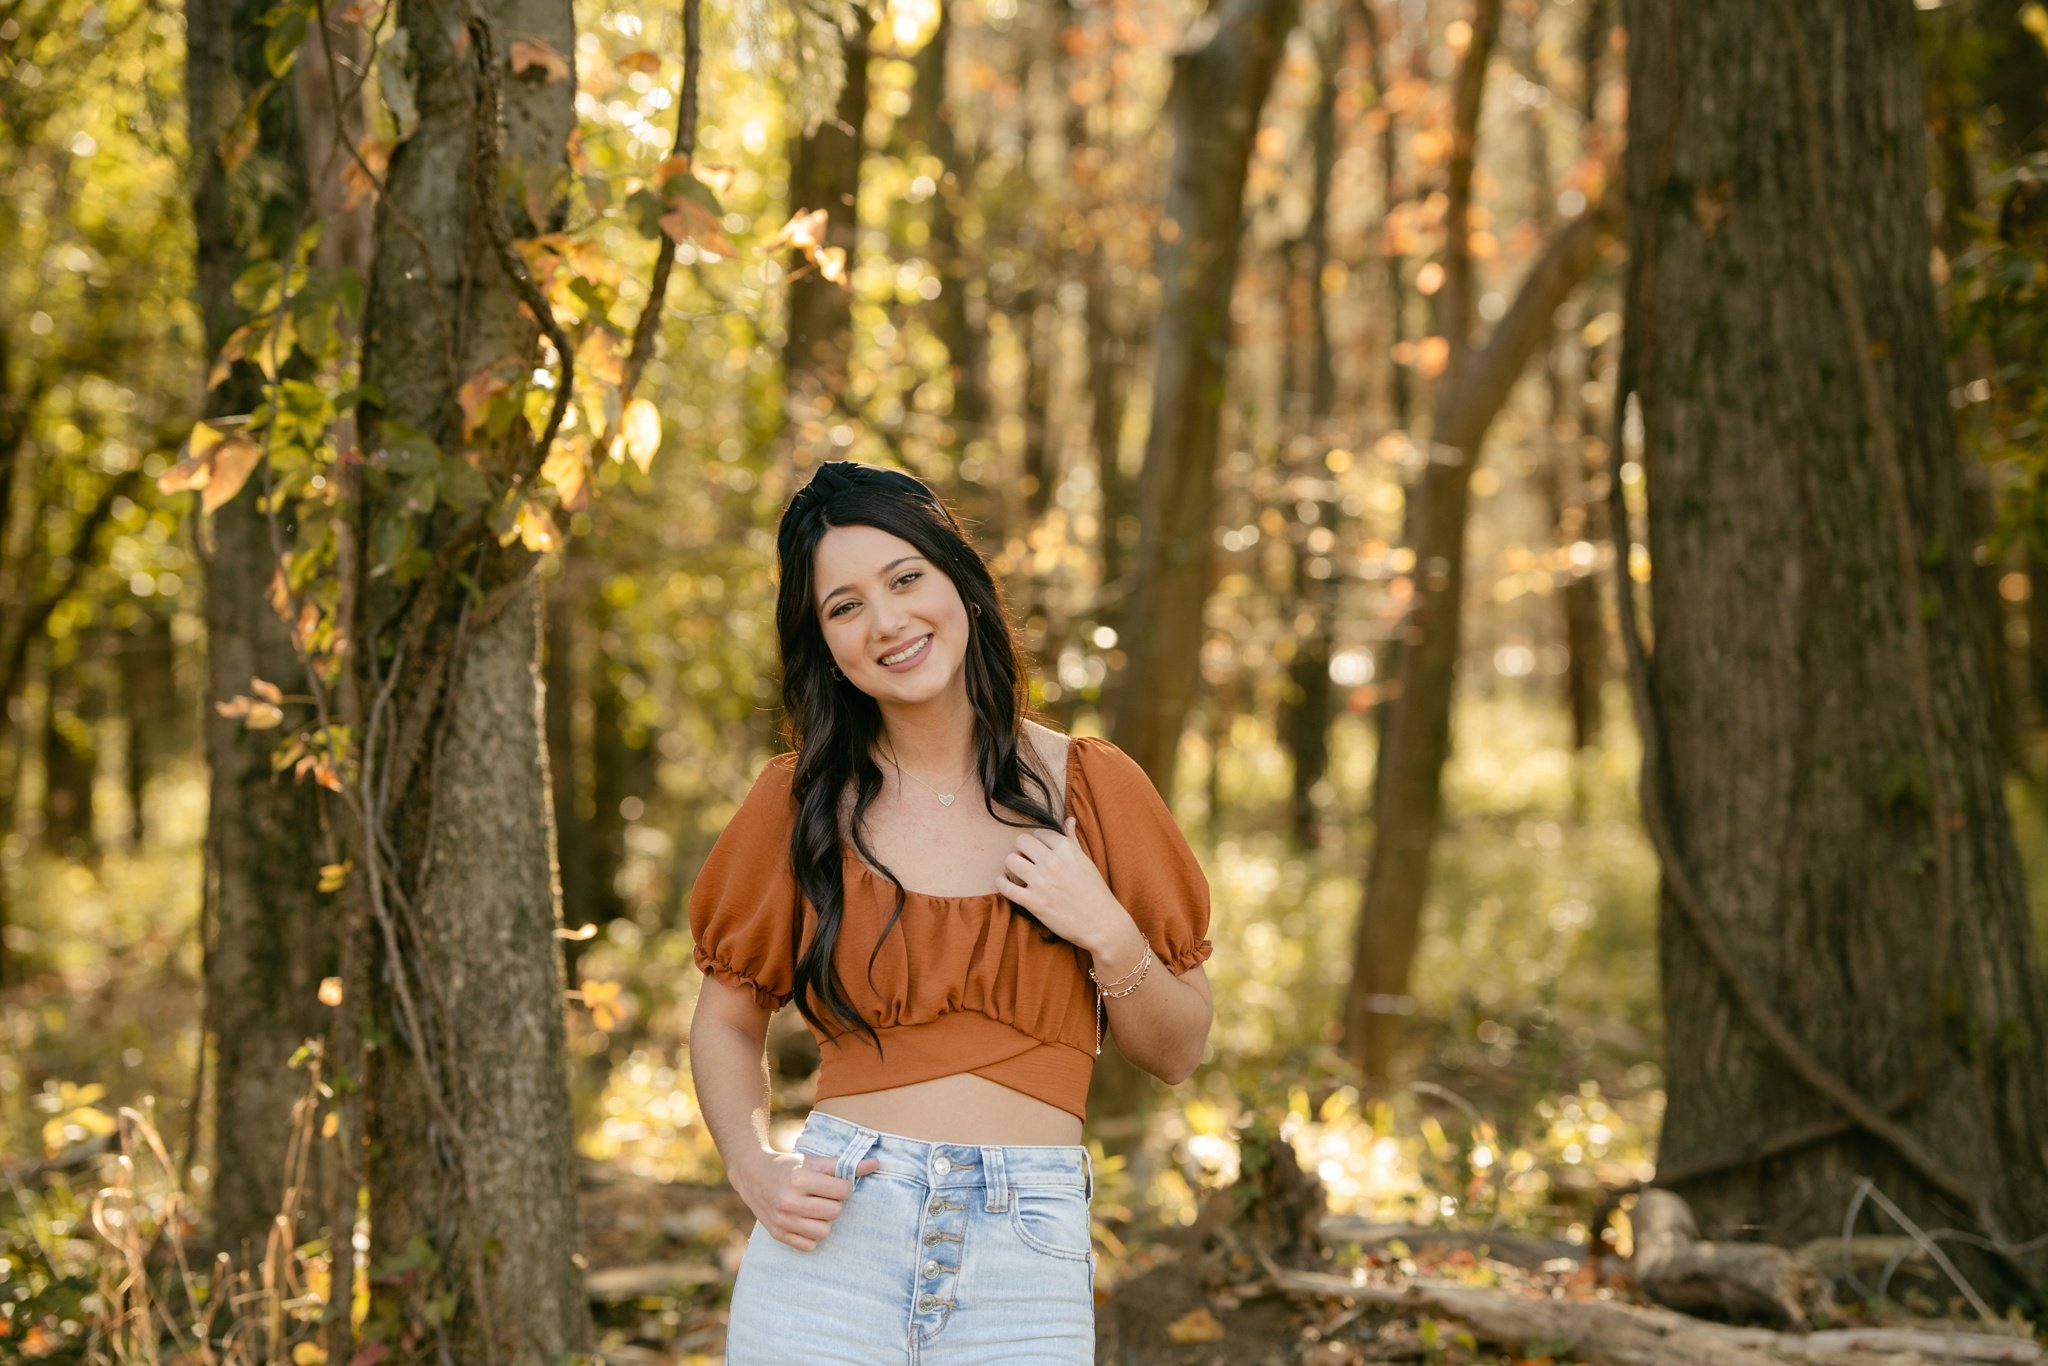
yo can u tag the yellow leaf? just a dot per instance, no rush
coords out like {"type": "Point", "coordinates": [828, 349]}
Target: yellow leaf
{"type": "Point", "coordinates": [93, 1120]}
{"type": "Point", "coordinates": [330, 989]}
{"type": "Point", "coordinates": [537, 530]}
{"type": "Point", "coordinates": [639, 433]}
{"type": "Point", "coordinates": [329, 1126]}
{"type": "Point", "coordinates": [333, 876]}
{"type": "Point", "coordinates": [263, 716]}
{"type": "Point", "coordinates": [324, 774]}
{"type": "Point", "coordinates": [598, 358]}
{"type": "Point", "coordinates": [568, 469]}
{"type": "Point", "coordinates": [1197, 1325]}
{"type": "Point", "coordinates": [269, 692]}
{"type": "Point", "coordinates": [832, 264]}
{"type": "Point", "coordinates": [644, 62]}
{"type": "Point", "coordinates": [233, 461]}
{"type": "Point", "coordinates": [603, 1000]}
{"type": "Point", "coordinates": [534, 54]}
{"type": "Point", "coordinates": [718, 176]}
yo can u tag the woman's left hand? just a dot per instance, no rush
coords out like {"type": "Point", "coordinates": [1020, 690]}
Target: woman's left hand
{"type": "Point", "coordinates": [1051, 876]}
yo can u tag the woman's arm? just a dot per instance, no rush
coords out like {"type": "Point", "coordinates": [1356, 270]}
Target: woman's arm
{"type": "Point", "coordinates": [796, 1198]}
{"type": "Point", "coordinates": [1163, 1026]}
{"type": "Point", "coordinates": [729, 1064]}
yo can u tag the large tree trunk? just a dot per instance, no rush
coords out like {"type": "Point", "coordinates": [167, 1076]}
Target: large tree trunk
{"type": "Point", "coordinates": [930, 124]}
{"type": "Point", "coordinates": [470, 1140]}
{"type": "Point", "coordinates": [269, 941]}
{"type": "Point", "coordinates": [1843, 915]}
{"type": "Point", "coordinates": [1416, 729]}
{"type": "Point", "coordinates": [1219, 87]}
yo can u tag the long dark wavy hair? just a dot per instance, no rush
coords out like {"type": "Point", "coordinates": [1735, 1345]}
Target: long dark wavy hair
{"type": "Point", "coordinates": [832, 725]}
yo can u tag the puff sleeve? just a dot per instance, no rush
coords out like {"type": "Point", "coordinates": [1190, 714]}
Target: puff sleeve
{"type": "Point", "coordinates": [744, 902]}
{"type": "Point", "coordinates": [1125, 826]}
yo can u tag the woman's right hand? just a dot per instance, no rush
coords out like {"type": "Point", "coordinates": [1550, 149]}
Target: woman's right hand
{"type": "Point", "coordinates": [796, 1197]}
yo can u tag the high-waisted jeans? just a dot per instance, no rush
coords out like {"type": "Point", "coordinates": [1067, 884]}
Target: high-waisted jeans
{"type": "Point", "coordinates": [947, 1253]}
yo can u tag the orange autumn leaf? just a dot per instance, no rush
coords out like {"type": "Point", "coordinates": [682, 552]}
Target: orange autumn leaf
{"type": "Point", "coordinates": [534, 54]}
{"type": "Point", "coordinates": [1197, 1325]}
{"type": "Point", "coordinates": [688, 220]}
{"type": "Point", "coordinates": [641, 62]}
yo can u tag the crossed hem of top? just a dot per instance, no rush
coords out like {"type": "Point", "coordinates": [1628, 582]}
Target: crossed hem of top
{"type": "Point", "coordinates": [852, 855]}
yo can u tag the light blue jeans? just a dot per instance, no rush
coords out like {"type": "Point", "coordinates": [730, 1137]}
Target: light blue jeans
{"type": "Point", "coordinates": [947, 1253]}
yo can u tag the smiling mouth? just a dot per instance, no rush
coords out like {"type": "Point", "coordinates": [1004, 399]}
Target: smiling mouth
{"type": "Point", "coordinates": [909, 652]}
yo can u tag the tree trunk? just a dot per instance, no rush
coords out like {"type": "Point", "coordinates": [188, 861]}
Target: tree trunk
{"type": "Point", "coordinates": [824, 173]}
{"type": "Point", "coordinates": [930, 122]}
{"type": "Point", "coordinates": [269, 941]}
{"type": "Point", "coordinates": [71, 709]}
{"type": "Point", "coordinates": [1305, 715]}
{"type": "Point", "coordinates": [150, 707]}
{"type": "Point", "coordinates": [472, 1165]}
{"type": "Point", "coordinates": [1415, 735]}
{"type": "Point", "coordinates": [1843, 915]}
{"type": "Point", "coordinates": [1219, 87]}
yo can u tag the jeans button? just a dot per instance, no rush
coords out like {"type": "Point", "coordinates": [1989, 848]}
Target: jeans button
{"type": "Point", "coordinates": [927, 1302]}
{"type": "Point", "coordinates": [931, 1239]}
{"type": "Point", "coordinates": [931, 1269]}
{"type": "Point", "coordinates": [937, 1206]}
{"type": "Point", "coordinates": [941, 1165]}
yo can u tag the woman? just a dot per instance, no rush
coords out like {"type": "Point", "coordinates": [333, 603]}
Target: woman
{"type": "Point", "coordinates": [959, 900]}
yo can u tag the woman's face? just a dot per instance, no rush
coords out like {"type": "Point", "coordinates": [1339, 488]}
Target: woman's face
{"type": "Point", "coordinates": [878, 596]}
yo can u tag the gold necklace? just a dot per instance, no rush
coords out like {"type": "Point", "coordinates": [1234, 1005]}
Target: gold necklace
{"type": "Point", "coordinates": [945, 798]}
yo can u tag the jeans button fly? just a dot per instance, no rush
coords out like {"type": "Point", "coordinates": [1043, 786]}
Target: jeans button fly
{"type": "Point", "coordinates": [931, 1269]}
{"type": "Point", "coordinates": [941, 1165]}
{"type": "Point", "coordinates": [926, 1303]}
{"type": "Point", "coordinates": [931, 1239]}
{"type": "Point", "coordinates": [938, 1205]}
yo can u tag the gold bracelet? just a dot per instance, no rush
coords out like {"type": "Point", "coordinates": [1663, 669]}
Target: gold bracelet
{"type": "Point", "coordinates": [1143, 970]}
{"type": "Point", "coordinates": [1142, 960]}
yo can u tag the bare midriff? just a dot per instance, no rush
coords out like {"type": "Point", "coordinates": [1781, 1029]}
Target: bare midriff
{"type": "Point", "coordinates": [961, 1108]}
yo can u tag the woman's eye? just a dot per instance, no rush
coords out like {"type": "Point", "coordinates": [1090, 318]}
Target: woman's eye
{"type": "Point", "coordinates": [906, 578]}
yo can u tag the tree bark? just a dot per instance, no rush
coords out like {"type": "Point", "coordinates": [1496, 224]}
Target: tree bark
{"type": "Point", "coordinates": [269, 941]}
{"type": "Point", "coordinates": [1843, 915]}
{"type": "Point", "coordinates": [1305, 715]}
{"type": "Point", "coordinates": [1219, 87]}
{"type": "Point", "coordinates": [824, 173]}
{"type": "Point", "coordinates": [471, 1167]}
{"type": "Point", "coordinates": [1415, 739]}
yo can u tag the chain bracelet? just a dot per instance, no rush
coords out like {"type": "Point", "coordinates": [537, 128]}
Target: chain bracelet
{"type": "Point", "coordinates": [1143, 959]}
{"type": "Point", "coordinates": [1143, 970]}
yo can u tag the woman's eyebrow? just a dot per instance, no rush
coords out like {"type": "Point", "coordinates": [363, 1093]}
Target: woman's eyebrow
{"type": "Point", "coordinates": [848, 588]}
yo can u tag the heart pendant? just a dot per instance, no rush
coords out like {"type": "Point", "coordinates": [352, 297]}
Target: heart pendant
{"type": "Point", "coordinates": [946, 799]}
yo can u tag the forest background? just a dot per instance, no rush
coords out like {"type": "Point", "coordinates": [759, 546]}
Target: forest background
{"type": "Point", "coordinates": [1323, 381]}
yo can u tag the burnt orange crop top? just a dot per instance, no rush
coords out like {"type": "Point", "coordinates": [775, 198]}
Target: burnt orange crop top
{"type": "Point", "coordinates": [963, 983]}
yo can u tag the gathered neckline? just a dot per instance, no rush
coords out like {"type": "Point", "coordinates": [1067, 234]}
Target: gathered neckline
{"type": "Point", "coordinates": [852, 855]}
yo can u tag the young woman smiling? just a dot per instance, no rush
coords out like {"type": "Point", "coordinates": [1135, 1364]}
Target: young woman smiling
{"type": "Point", "coordinates": [961, 902]}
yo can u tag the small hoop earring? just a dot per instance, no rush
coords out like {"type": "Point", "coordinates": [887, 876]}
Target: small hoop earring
{"type": "Point", "coordinates": [976, 606]}
{"type": "Point", "coordinates": [838, 675]}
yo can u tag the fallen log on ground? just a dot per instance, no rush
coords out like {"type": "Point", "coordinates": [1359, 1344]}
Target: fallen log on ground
{"type": "Point", "coordinates": [1524, 1250]}
{"type": "Point", "coordinates": [1613, 1333]}
{"type": "Point", "coordinates": [1679, 1270]}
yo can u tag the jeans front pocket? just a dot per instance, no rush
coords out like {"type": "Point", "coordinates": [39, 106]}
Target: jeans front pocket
{"type": "Point", "coordinates": [1052, 1220]}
